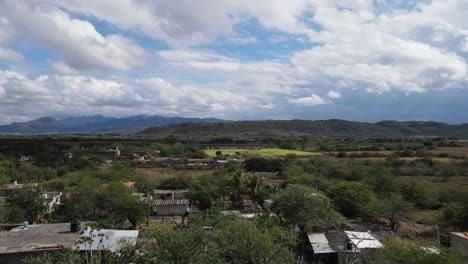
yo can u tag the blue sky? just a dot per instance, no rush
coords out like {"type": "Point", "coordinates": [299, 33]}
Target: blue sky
{"type": "Point", "coordinates": [358, 60]}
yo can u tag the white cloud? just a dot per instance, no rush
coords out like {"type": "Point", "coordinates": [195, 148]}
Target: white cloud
{"type": "Point", "coordinates": [308, 101]}
{"type": "Point", "coordinates": [46, 95]}
{"type": "Point", "coordinates": [334, 95]}
{"type": "Point", "coordinates": [388, 59]}
{"type": "Point", "coordinates": [10, 55]}
{"type": "Point", "coordinates": [262, 76]}
{"type": "Point", "coordinates": [353, 44]}
{"type": "Point", "coordinates": [61, 67]}
{"type": "Point", "coordinates": [77, 40]}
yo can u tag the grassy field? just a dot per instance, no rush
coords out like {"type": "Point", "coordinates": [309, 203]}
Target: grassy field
{"type": "Point", "coordinates": [452, 151]}
{"type": "Point", "coordinates": [266, 152]}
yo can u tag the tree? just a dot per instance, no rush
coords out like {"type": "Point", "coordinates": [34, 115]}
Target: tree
{"type": "Point", "coordinates": [117, 204]}
{"type": "Point", "coordinates": [394, 208]}
{"type": "Point", "coordinates": [304, 207]}
{"type": "Point", "coordinates": [243, 242]}
{"type": "Point", "coordinates": [455, 215]}
{"type": "Point", "coordinates": [230, 239]}
{"type": "Point", "coordinates": [258, 189]}
{"type": "Point", "coordinates": [7, 171]}
{"type": "Point", "coordinates": [397, 250]}
{"type": "Point", "coordinates": [352, 199]}
{"type": "Point", "coordinates": [292, 171]}
{"type": "Point", "coordinates": [237, 184]}
{"type": "Point", "coordinates": [27, 204]}
{"type": "Point", "coordinates": [203, 192]}
{"type": "Point", "coordinates": [111, 204]}
{"type": "Point", "coordinates": [418, 192]}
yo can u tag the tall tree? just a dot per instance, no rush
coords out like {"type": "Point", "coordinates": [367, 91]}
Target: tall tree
{"type": "Point", "coordinates": [305, 207]}
{"type": "Point", "coordinates": [27, 203]}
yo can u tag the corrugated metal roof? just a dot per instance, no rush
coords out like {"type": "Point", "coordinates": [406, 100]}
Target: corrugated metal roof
{"type": "Point", "coordinates": [363, 240]}
{"type": "Point", "coordinates": [109, 239]}
{"type": "Point", "coordinates": [319, 244]}
{"type": "Point", "coordinates": [161, 202]}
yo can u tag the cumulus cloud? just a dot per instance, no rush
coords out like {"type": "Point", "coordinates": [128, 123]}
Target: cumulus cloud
{"type": "Point", "coordinates": [308, 101]}
{"type": "Point", "coordinates": [77, 40]}
{"type": "Point", "coordinates": [46, 95]}
{"type": "Point", "coordinates": [262, 76]}
{"type": "Point", "coordinates": [10, 55]}
{"type": "Point", "coordinates": [334, 95]}
{"type": "Point", "coordinates": [361, 45]}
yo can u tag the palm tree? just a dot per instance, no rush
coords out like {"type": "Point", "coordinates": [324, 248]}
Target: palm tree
{"type": "Point", "coordinates": [238, 187]}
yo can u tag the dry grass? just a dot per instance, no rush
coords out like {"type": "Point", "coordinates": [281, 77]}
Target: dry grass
{"type": "Point", "coordinates": [452, 151]}
{"type": "Point", "coordinates": [170, 171]}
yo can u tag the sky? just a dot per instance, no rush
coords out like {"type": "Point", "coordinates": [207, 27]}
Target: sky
{"type": "Point", "coordinates": [357, 60]}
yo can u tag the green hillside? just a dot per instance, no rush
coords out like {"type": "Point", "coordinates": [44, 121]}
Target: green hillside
{"type": "Point", "coordinates": [296, 128]}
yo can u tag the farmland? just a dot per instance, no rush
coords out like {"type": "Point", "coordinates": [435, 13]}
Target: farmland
{"type": "Point", "coordinates": [266, 152]}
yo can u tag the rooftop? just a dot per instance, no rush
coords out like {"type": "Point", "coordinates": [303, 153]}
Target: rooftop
{"type": "Point", "coordinates": [129, 184]}
{"type": "Point", "coordinates": [363, 240]}
{"type": "Point", "coordinates": [169, 191]}
{"type": "Point", "coordinates": [37, 238]}
{"type": "Point", "coordinates": [112, 240]}
{"type": "Point", "coordinates": [171, 202]}
{"type": "Point", "coordinates": [319, 243]}
{"type": "Point", "coordinates": [461, 234]}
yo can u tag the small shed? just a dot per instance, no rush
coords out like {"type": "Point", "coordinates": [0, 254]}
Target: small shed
{"type": "Point", "coordinates": [176, 207]}
{"type": "Point", "coordinates": [459, 242]}
{"type": "Point", "coordinates": [320, 251]}
{"type": "Point", "coordinates": [363, 240]}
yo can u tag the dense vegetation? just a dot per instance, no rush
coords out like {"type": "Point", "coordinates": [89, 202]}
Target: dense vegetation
{"type": "Point", "coordinates": [400, 187]}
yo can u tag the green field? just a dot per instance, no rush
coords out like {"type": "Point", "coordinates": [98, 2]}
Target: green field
{"type": "Point", "coordinates": [266, 152]}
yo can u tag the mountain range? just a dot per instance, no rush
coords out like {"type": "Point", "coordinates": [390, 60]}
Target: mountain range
{"type": "Point", "coordinates": [96, 124]}
{"type": "Point", "coordinates": [206, 128]}
{"type": "Point", "coordinates": [297, 128]}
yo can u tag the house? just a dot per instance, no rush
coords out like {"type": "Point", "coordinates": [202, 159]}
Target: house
{"type": "Point", "coordinates": [176, 207]}
{"type": "Point", "coordinates": [170, 194]}
{"type": "Point", "coordinates": [52, 200]}
{"type": "Point", "coordinates": [338, 247]}
{"type": "Point", "coordinates": [37, 240]}
{"type": "Point", "coordinates": [459, 242]}
{"type": "Point", "coordinates": [110, 154]}
{"type": "Point", "coordinates": [319, 251]}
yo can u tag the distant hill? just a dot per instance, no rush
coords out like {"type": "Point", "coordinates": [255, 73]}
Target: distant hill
{"type": "Point", "coordinates": [94, 125]}
{"type": "Point", "coordinates": [283, 128]}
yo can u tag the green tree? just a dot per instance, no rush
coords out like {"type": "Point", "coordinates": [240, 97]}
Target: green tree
{"type": "Point", "coordinates": [7, 171]}
{"type": "Point", "coordinates": [455, 215]}
{"type": "Point", "coordinates": [237, 187]}
{"type": "Point", "coordinates": [418, 192]}
{"type": "Point", "coordinates": [203, 192]}
{"type": "Point", "coordinates": [26, 203]}
{"type": "Point", "coordinates": [397, 250]}
{"type": "Point", "coordinates": [394, 208]}
{"type": "Point", "coordinates": [243, 242]}
{"type": "Point", "coordinates": [304, 207]}
{"type": "Point", "coordinates": [353, 199]}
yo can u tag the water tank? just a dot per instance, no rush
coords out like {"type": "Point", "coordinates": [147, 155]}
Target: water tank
{"type": "Point", "coordinates": [75, 226]}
